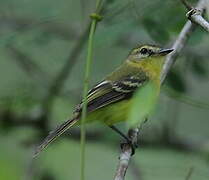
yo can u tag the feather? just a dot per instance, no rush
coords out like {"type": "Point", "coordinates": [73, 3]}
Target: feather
{"type": "Point", "coordinates": [107, 92]}
{"type": "Point", "coordinates": [55, 134]}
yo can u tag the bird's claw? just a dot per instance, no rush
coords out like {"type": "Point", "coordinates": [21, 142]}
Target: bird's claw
{"type": "Point", "coordinates": [133, 146]}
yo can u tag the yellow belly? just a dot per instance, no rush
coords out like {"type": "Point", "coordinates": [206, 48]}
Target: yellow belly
{"type": "Point", "coordinates": [111, 114]}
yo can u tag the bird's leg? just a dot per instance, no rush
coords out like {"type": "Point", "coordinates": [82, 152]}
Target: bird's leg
{"type": "Point", "coordinates": [128, 140]}
{"type": "Point", "coordinates": [120, 133]}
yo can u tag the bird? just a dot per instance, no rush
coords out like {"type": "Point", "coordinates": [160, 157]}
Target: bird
{"type": "Point", "coordinates": [133, 87]}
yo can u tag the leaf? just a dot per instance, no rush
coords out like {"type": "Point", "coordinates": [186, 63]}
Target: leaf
{"type": "Point", "coordinates": [143, 103]}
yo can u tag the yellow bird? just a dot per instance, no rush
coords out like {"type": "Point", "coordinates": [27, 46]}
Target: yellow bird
{"type": "Point", "coordinates": [132, 87]}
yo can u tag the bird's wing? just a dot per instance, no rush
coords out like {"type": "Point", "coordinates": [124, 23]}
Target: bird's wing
{"type": "Point", "coordinates": [108, 92]}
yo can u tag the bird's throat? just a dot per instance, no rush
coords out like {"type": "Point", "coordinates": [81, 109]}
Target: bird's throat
{"type": "Point", "coordinates": [152, 66]}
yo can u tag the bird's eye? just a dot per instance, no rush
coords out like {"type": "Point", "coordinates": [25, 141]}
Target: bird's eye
{"type": "Point", "coordinates": [144, 51]}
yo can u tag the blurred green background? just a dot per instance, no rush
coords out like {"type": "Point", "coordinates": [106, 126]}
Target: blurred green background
{"type": "Point", "coordinates": [43, 51]}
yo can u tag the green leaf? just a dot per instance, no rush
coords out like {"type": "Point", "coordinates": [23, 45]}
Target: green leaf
{"type": "Point", "coordinates": [143, 103]}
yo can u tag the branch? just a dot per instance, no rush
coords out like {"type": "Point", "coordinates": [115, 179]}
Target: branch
{"type": "Point", "coordinates": [179, 44]}
{"type": "Point", "coordinates": [125, 155]}
{"type": "Point", "coordinates": [195, 15]}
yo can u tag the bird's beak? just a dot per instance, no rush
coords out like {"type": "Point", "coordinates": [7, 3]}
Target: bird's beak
{"type": "Point", "coordinates": [164, 52]}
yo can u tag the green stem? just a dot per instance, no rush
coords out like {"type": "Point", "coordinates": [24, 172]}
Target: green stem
{"type": "Point", "coordinates": [85, 91]}
{"type": "Point", "coordinates": [95, 18]}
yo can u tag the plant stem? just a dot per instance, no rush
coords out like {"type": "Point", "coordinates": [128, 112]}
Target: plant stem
{"type": "Point", "coordinates": [85, 92]}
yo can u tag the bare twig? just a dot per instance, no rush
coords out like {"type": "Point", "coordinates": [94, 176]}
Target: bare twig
{"type": "Point", "coordinates": [177, 46]}
{"type": "Point", "coordinates": [125, 155]}
{"type": "Point", "coordinates": [195, 15]}
{"type": "Point", "coordinates": [123, 162]}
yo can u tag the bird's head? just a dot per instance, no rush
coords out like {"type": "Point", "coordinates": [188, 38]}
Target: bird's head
{"type": "Point", "coordinates": [148, 52]}
{"type": "Point", "coordinates": [148, 58]}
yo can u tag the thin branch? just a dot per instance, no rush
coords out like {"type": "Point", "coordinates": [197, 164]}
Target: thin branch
{"type": "Point", "coordinates": [177, 46]}
{"type": "Point", "coordinates": [123, 162]}
{"type": "Point", "coordinates": [125, 155]}
{"type": "Point", "coordinates": [195, 15]}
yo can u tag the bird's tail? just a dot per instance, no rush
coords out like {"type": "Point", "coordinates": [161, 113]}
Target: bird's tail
{"type": "Point", "coordinates": [54, 134]}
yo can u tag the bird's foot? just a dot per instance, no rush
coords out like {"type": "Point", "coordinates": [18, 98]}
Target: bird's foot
{"type": "Point", "coordinates": [131, 144]}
